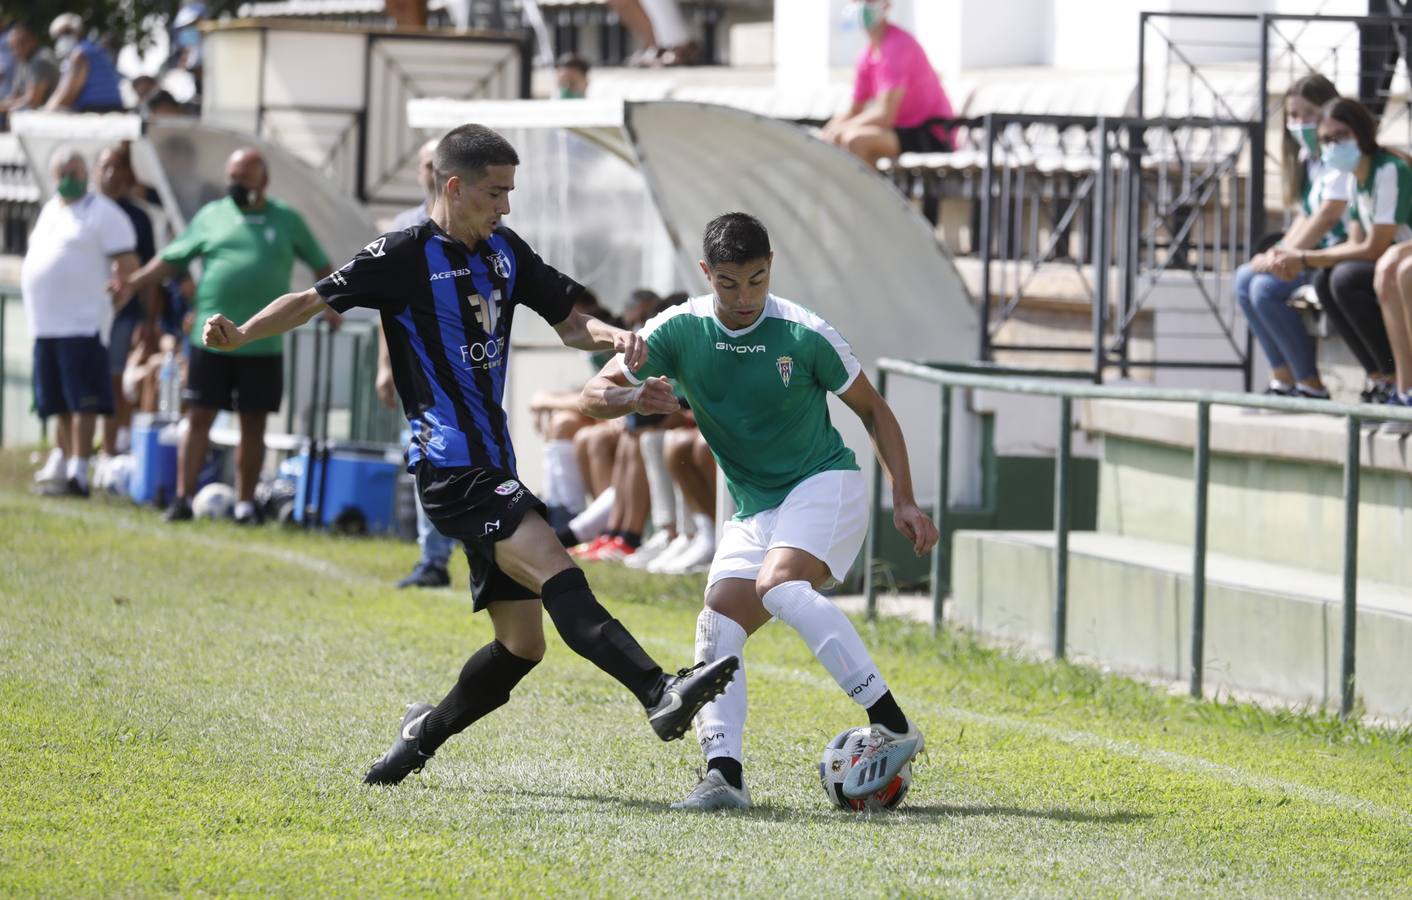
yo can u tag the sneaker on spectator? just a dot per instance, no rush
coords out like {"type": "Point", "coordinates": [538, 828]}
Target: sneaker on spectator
{"type": "Point", "coordinates": [584, 551]}
{"type": "Point", "coordinates": [53, 468]}
{"type": "Point", "coordinates": [652, 548]}
{"type": "Point", "coordinates": [1278, 388]}
{"type": "Point", "coordinates": [1305, 392]}
{"type": "Point", "coordinates": [695, 557]}
{"type": "Point", "coordinates": [179, 511]}
{"type": "Point", "coordinates": [615, 549]}
{"type": "Point", "coordinates": [678, 544]}
{"type": "Point", "coordinates": [1376, 392]}
{"type": "Point", "coordinates": [1401, 401]}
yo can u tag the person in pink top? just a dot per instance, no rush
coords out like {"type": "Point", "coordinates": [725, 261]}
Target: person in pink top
{"type": "Point", "coordinates": [895, 91]}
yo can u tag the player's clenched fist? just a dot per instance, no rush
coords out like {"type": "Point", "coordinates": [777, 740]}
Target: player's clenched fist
{"type": "Point", "coordinates": [220, 333]}
{"type": "Point", "coordinates": [655, 398]}
{"type": "Point", "coordinates": [632, 347]}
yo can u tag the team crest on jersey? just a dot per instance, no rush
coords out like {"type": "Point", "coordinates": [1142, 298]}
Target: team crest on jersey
{"type": "Point", "coordinates": [501, 264]}
{"type": "Point", "coordinates": [785, 365]}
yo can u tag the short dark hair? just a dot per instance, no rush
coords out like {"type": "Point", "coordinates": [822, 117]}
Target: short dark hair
{"type": "Point", "coordinates": [467, 151]}
{"type": "Point", "coordinates": [572, 61]}
{"type": "Point", "coordinates": [734, 238]}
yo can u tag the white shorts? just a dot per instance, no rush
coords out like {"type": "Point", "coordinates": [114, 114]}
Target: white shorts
{"type": "Point", "coordinates": [826, 516]}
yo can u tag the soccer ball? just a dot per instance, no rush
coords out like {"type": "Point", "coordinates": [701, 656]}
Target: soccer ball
{"type": "Point", "coordinates": [214, 501]}
{"type": "Point", "coordinates": [117, 475]}
{"type": "Point", "coordinates": [839, 756]}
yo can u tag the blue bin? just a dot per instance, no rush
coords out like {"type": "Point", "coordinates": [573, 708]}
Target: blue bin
{"type": "Point", "coordinates": [359, 489]}
{"type": "Point", "coordinates": [154, 475]}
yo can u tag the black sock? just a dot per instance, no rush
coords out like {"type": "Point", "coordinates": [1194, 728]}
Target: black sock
{"type": "Point", "coordinates": [485, 684]}
{"type": "Point", "coordinates": [590, 632]}
{"type": "Point", "coordinates": [888, 714]}
{"type": "Point", "coordinates": [728, 767]}
{"type": "Point", "coordinates": [632, 538]}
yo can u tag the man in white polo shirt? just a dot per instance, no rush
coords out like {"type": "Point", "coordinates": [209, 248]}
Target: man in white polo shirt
{"type": "Point", "coordinates": [77, 242]}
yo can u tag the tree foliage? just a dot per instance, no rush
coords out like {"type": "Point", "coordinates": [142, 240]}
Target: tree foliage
{"type": "Point", "coordinates": [118, 22]}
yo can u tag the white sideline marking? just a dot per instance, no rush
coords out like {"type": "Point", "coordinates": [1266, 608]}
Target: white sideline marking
{"type": "Point", "coordinates": [1167, 759]}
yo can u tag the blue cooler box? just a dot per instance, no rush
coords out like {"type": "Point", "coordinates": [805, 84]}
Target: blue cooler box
{"type": "Point", "coordinates": [359, 489]}
{"type": "Point", "coordinates": [154, 473]}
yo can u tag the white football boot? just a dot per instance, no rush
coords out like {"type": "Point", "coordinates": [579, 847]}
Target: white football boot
{"type": "Point", "coordinates": [652, 548]}
{"type": "Point", "coordinates": [694, 557]}
{"type": "Point", "coordinates": [714, 792]}
{"type": "Point", "coordinates": [674, 549]}
{"type": "Point", "coordinates": [53, 469]}
{"type": "Point", "coordinates": [884, 754]}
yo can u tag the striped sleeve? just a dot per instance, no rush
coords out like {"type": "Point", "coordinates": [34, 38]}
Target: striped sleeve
{"type": "Point", "coordinates": [1392, 195]}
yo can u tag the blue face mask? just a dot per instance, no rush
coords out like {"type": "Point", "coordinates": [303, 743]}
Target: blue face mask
{"type": "Point", "coordinates": [1342, 156]}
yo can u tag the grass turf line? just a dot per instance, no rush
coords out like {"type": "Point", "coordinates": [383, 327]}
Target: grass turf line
{"type": "Point", "coordinates": [190, 709]}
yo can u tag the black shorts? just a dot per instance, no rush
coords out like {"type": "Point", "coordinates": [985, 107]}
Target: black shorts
{"type": "Point", "coordinates": [479, 506]}
{"type": "Point", "coordinates": [71, 376]}
{"type": "Point", "coordinates": [235, 383]}
{"type": "Point", "coordinates": [921, 140]}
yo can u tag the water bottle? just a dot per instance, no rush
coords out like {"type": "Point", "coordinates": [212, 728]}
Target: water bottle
{"type": "Point", "coordinates": [168, 391]}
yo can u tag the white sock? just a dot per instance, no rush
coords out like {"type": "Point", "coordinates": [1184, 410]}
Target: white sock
{"type": "Point", "coordinates": [667, 22]}
{"type": "Point", "coordinates": [78, 469]}
{"type": "Point", "coordinates": [831, 638]}
{"type": "Point", "coordinates": [720, 726]}
{"type": "Point", "coordinates": [684, 523]}
{"type": "Point", "coordinates": [702, 524]}
{"type": "Point", "coordinates": [563, 482]}
{"type": "Point", "coordinates": [243, 508]}
{"type": "Point", "coordinates": [590, 523]}
{"type": "Point", "coordinates": [659, 480]}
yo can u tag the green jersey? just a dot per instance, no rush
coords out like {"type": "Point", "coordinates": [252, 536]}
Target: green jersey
{"type": "Point", "coordinates": [248, 258]}
{"type": "Point", "coordinates": [759, 394]}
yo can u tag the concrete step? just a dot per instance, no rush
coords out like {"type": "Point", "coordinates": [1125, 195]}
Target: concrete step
{"type": "Point", "coordinates": [1276, 491]}
{"type": "Point", "coordinates": [1270, 629]}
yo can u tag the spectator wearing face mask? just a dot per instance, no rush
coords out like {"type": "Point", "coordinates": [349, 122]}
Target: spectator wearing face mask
{"type": "Point", "coordinates": [571, 73]}
{"type": "Point", "coordinates": [1352, 276]}
{"type": "Point", "coordinates": [248, 242]}
{"type": "Point", "coordinates": [89, 82]}
{"type": "Point", "coordinates": [895, 93]}
{"type": "Point", "coordinates": [78, 239]}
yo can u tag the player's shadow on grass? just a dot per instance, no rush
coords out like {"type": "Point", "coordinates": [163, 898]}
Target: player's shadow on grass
{"type": "Point", "coordinates": [937, 812]}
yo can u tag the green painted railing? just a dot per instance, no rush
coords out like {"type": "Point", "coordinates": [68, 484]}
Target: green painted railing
{"type": "Point", "coordinates": [951, 376]}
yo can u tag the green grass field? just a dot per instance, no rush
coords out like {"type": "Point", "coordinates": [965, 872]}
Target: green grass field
{"type": "Point", "coordinates": [190, 709]}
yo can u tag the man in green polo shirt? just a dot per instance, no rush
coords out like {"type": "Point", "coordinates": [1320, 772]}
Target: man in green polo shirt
{"type": "Point", "coordinates": [247, 242]}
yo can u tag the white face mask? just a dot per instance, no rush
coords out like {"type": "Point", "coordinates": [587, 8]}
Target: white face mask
{"type": "Point", "coordinates": [63, 44]}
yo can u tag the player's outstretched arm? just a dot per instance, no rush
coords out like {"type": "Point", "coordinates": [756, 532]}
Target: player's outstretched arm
{"type": "Point", "coordinates": [583, 332]}
{"type": "Point", "coordinates": [609, 395]}
{"type": "Point", "coordinates": [891, 449]}
{"type": "Point", "coordinates": [283, 314]}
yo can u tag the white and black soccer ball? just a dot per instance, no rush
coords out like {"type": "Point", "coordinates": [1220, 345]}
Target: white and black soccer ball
{"type": "Point", "coordinates": [839, 756]}
{"type": "Point", "coordinates": [117, 475]}
{"type": "Point", "coordinates": [214, 501]}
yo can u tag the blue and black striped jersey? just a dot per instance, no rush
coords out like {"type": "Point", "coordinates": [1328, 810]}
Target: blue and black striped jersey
{"type": "Point", "coordinates": [446, 312]}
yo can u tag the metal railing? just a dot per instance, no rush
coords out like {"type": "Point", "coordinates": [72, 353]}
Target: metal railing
{"type": "Point", "coordinates": [948, 378]}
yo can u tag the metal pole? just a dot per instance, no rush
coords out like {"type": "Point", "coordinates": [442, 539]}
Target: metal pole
{"type": "Point", "coordinates": [1350, 566]}
{"type": "Point", "coordinates": [870, 581]}
{"type": "Point", "coordinates": [943, 496]}
{"type": "Point", "coordinates": [987, 220]}
{"type": "Point", "coordinates": [1201, 475]}
{"type": "Point", "coordinates": [1100, 261]}
{"type": "Point", "coordinates": [1141, 61]}
{"type": "Point", "coordinates": [1257, 143]}
{"type": "Point", "coordinates": [1061, 526]}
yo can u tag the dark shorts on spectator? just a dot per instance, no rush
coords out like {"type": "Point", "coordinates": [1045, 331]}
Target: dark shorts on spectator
{"type": "Point", "coordinates": [479, 506]}
{"type": "Point", "coordinates": [921, 140]}
{"type": "Point", "coordinates": [234, 383]}
{"type": "Point", "coordinates": [71, 376]}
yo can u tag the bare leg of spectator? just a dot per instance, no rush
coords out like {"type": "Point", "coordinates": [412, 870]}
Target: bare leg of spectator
{"type": "Point", "coordinates": [635, 19]}
{"type": "Point", "coordinates": [249, 455]}
{"type": "Point", "coordinates": [871, 143]}
{"type": "Point", "coordinates": [62, 434]}
{"type": "Point", "coordinates": [595, 448]}
{"type": "Point", "coordinates": [700, 492]}
{"type": "Point", "coordinates": [191, 452]}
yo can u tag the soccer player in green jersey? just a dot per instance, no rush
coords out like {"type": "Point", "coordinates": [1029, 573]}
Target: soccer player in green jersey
{"type": "Point", "coordinates": [757, 370]}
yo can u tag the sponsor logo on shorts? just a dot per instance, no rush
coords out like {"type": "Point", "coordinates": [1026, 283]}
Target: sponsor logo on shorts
{"type": "Point", "coordinates": [491, 528]}
{"type": "Point", "coordinates": [785, 364]}
{"type": "Point", "coordinates": [507, 488]}
{"type": "Point", "coordinates": [740, 348]}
